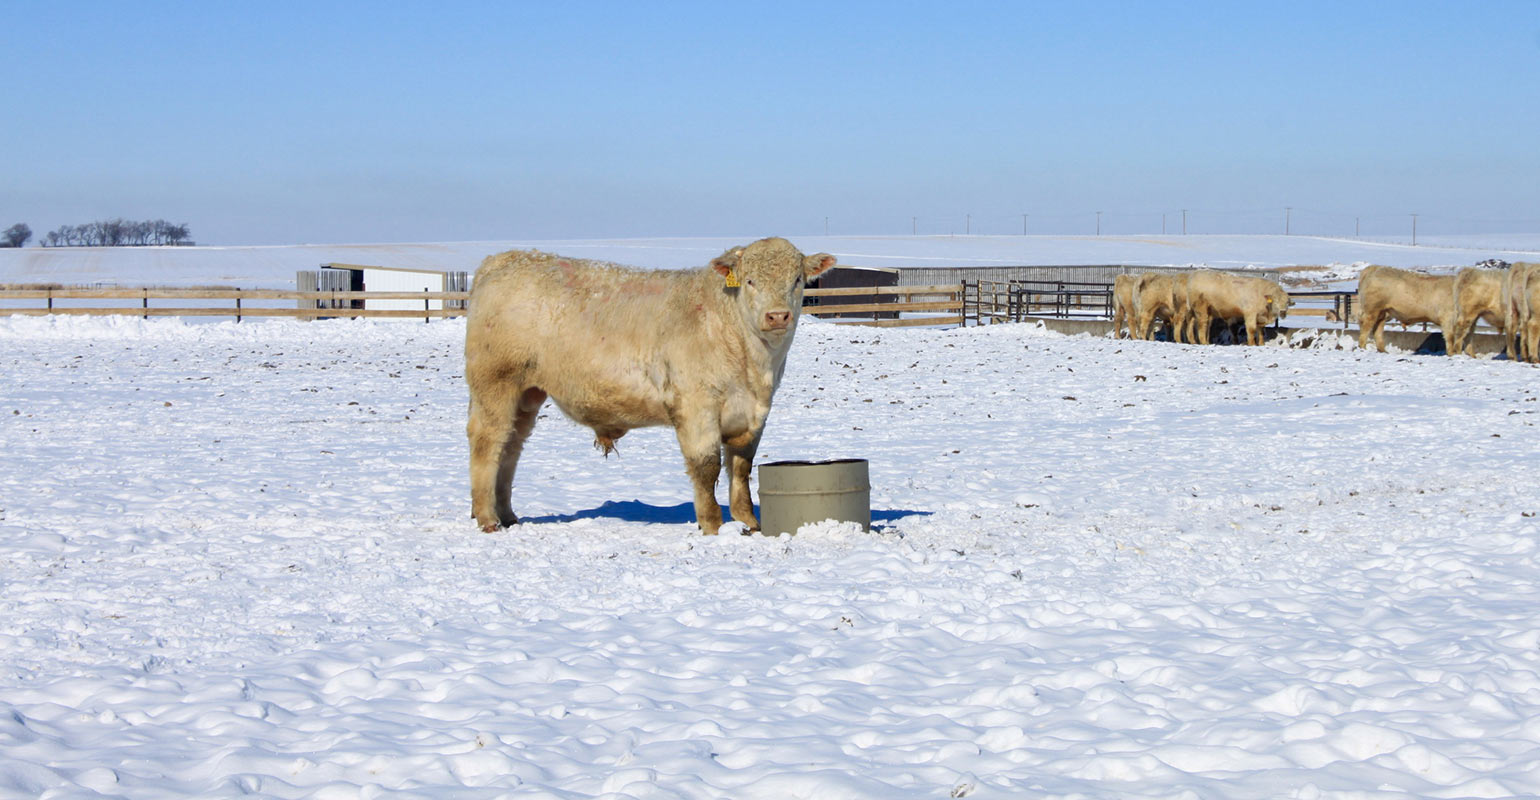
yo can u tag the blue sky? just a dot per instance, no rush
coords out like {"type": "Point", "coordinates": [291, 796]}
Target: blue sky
{"type": "Point", "coordinates": [276, 123]}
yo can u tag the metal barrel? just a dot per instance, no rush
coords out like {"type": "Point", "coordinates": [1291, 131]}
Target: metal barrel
{"type": "Point", "coordinates": [795, 493]}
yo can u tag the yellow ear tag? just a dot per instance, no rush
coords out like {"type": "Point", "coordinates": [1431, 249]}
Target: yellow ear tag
{"type": "Point", "coordinates": [732, 280]}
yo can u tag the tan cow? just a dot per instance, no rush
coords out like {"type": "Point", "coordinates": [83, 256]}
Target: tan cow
{"type": "Point", "coordinates": [1163, 296]}
{"type": "Point", "coordinates": [700, 351]}
{"type": "Point", "coordinates": [1257, 302]}
{"type": "Point", "coordinates": [1409, 297]}
{"type": "Point", "coordinates": [1515, 304]}
{"type": "Point", "coordinates": [1478, 294]}
{"type": "Point", "coordinates": [1529, 328]}
{"type": "Point", "coordinates": [1123, 304]}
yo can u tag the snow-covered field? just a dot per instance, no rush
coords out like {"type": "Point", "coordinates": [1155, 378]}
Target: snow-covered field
{"type": "Point", "coordinates": [274, 267]}
{"type": "Point", "coordinates": [237, 560]}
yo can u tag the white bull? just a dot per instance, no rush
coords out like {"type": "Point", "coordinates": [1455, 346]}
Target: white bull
{"type": "Point", "coordinates": [700, 351]}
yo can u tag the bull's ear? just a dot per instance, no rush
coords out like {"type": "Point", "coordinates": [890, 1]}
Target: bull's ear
{"type": "Point", "coordinates": [727, 262]}
{"type": "Point", "coordinates": [816, 264]}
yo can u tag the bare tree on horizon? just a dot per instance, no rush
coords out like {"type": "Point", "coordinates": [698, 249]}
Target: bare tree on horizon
{"type": "Point", "coordinates": [119, 232]}
{"type": "Point", "coordinates": [16, 235]}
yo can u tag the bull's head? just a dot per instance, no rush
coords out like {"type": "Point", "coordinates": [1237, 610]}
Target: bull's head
{"type": "Point", "coordinates": [1278, 302]}
{"type": "Point", "coordinates": [770, 275]}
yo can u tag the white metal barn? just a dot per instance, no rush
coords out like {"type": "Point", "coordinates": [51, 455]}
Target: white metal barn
{"type": "Point", "coordinates": [395, 279]}
{"type": "Point", "coordinates": [364, 277]}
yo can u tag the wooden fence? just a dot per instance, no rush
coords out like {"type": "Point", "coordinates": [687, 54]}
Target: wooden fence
{"type": "Point", "coordinates": [136, 302]}
{"type": "Point", "coordinates": [887, 306]}
{"type": "Point", "coordinates": [968, 302]}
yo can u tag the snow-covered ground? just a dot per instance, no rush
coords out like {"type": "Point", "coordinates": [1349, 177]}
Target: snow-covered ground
{"type": "Point", "coordinates": [274, 267]}
{"type": "Point", "coordinates": [237, 560]}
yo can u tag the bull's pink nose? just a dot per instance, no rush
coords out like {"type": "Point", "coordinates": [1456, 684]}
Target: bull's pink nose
{"type": "Point", "coordinates": [777, 320]}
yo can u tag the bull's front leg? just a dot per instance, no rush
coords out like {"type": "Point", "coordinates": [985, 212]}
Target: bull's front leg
{"type": "Point", "coordinates": [700, 440]}
{"type": "Point", "coordinates": [740, 462]}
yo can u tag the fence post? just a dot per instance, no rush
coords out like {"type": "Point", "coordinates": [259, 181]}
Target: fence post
{"type": "Point", "coordinates": [50, 301]}
{"type": "Point", "coordinates": [425, 318]}
{"type": "Point", "coordinates": [146, 304]}
{"type": "Point", "coordinates": [237, 304]}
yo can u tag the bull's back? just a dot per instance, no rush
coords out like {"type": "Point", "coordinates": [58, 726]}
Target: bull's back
{"type": "Point", "coordinates": [1529, 293]}
{"type": "Point", "coordinates": [1123, 289]}
{"type": "Point", "coordinates": [1515, 302]}
{"type": "Point", "coordinates": [1408, 296]}
{"type": "Point", "coordinates": [1479, 290]}
{"type": "Point", "coordinates": [599, 339]}
{"type": "Point", "coordinates": [1215, 292]}
{"type": "Point", "coordinates": [516, 311]}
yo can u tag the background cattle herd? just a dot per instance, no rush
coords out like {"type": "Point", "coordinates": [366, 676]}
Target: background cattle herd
{"type": "Point", "coordinates": [1506, 298]}
{"type": "Point", "coordinates": [1190, 302]}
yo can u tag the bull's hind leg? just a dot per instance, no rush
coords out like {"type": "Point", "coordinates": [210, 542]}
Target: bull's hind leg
{"type": "Point", "coordinates": [496, 431]}
{"type": "Point", "coordinates": [488, 430]}
{"type": "Point", "coordinates": [1372, 325]}
{"type": "Point", "coordinates": [1465, 330]}
{"type": "Point", "coordinates": [1366, 320]}
{"type": "Point", "coordinates": [524, 417]}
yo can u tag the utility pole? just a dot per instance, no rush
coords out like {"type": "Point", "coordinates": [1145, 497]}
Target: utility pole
{"type": "Point", "coordinates": [1414, 230]}
{"type": "Point", "coordinates": [914, 224]}
{"type": "Point", "coordinates": [1287, 212]}
{"type": "Point", "coordinates": [1184, 222]}
{"type": "Point", "coordinates": [1023, 224]}
{"type": "Point", "coordinates": [1098, 223]}
{"type": "Point", "coordinates": [1355, 227]}
{"type": "Point", "coordinates": [968, 229]}
{"type": "Point", "coordinates": [826, 226]}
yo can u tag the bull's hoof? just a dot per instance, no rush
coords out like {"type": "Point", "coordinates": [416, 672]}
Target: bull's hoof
{"type": "Point", "coordinates": [503, 521]}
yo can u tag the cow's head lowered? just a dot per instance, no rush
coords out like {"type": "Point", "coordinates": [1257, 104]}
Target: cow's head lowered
{"type": "Point", "coordinates": [769, 276]}
{"type": "Point", "coordinates": [1278, 302]}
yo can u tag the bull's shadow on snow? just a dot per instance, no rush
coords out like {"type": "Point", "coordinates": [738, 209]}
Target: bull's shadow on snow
{"type": "Point", "coordinates": [637, 511]}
